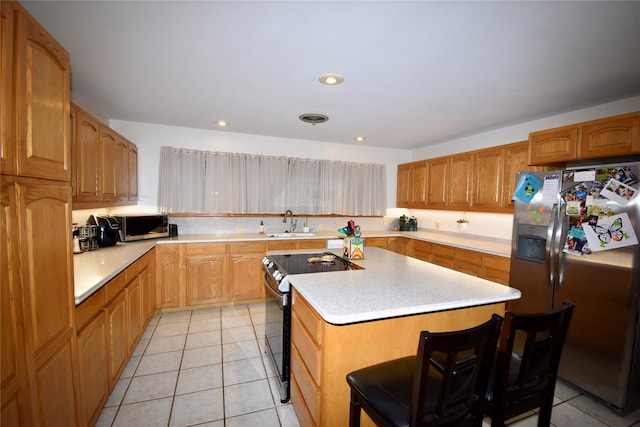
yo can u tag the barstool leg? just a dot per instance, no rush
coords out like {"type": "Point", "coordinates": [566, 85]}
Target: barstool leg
{"type": "Point", "coordinates": [354, 411]}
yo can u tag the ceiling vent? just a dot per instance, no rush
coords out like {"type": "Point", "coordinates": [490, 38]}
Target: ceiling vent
{"type": "Point", "coordinates": [313, 118]}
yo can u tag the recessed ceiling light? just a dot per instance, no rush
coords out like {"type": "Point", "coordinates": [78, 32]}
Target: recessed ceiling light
{"type": "Point", "coordinates": [313, 118]}
{"type": "Point", "coordinates": [331, 79]}
{"type": "Point", "coordinates": [360, 138]}
{"type": "Point", "coordinates": [222, 123]}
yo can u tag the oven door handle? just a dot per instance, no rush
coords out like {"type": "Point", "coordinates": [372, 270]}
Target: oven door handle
{"type": "Point", "coordinates": [282, 297]}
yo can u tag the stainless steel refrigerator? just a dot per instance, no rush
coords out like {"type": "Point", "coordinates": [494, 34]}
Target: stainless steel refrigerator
{"type": "Point", "coordinates": [575, 239]}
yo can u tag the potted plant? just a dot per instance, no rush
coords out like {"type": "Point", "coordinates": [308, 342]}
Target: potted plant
{"type": "Point", "coordinates": [462, 224]}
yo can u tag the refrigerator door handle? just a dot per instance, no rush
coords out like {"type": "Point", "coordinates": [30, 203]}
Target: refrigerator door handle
{"type": "Point", "coordinates": [559, 245]}
{"type": "Point", "coordinates": [550, 261]}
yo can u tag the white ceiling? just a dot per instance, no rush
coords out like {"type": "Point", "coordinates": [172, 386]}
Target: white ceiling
{"type": "Point", "coordinates": [415, 73]}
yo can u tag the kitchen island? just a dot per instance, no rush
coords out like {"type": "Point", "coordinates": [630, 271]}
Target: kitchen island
{"type": "Point", "coordinates": [343, 321]}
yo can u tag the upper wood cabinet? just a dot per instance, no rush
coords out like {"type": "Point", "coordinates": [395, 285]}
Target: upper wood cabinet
{"type": "Point", "coordinates": [35, 99]}
{"type": "Point", "coordinates": [7, 106]}
{"type": "Point", "coordinates": [42, 92]}
{"type": "Point", "coordinates": [105, 164]}
{"type": "Point", "coordinates": [598, 139]}
{"type": "Point", "coordinates": [489, 178]}
{"type": "Point", "coordinates": [460, 194]}
{"type": "Point", "coordinates": [438, 183]}
{"type": "Point", "coordinates": [412, 184]}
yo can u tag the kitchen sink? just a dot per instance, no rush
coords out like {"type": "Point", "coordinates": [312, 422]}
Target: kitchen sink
{"type": "Point", "coordinates": [291, 234]}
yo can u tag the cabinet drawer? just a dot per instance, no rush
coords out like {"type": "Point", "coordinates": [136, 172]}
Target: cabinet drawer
{"type": "Point", "coordinates": [422, 250]}
{"type": "Point", "coordinates": [280, 245]}
{"type": "Point", "coordinates": [305, 315]}
{"type": "Point", "coordinates": [309, 351]}
{"type": "Point", "coordinates": [300, 406]}
{"type": "Point", "coordinates": [312, 244]}
{"type": "Point", "coordinates": [442, 255]}
{"type": "Point", "coordinates": [309, 391]}
{"type": "Point", "coordinates": [89, 308]}
{"type": "Point", "coordinates": [496, 269]}
{"type": "Point", "coordinates": [375, 242]}
{"type": "Point", "coordinates": [134, 269]}
{"type": "Point", "coordinates": [247, 248]}
{"type": "Point", "coordinates": [206, 249]}
{"type": "Point", "coordinates": [114, 286]}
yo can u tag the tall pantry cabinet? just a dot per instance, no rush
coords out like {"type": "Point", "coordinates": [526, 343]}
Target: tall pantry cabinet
{"type": "Point", "coordinates": [38, 337]}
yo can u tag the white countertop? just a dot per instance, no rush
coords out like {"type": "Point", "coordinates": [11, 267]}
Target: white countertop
{"type": "Point", "coordinates": [393, 285]}
{"type": "Point", "coordinates": [95, 268]}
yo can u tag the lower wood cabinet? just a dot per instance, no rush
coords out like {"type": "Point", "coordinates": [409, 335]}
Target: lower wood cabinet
{"type": "Point", "coordinates": [93, 368]}
{"type": "Point", "coordinates": [245, 271]}
{"type": "Point", "coordinates": [205, 273]}
{"type": "Point", "coordinates": [109, 324]}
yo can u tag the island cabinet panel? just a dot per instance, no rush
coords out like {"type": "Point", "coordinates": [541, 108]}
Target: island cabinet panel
{"type": "Point", "coordinates": [205, 273]}
{"type": "Point", "coordinates": [468, 262]}
{"type": "Point", "coordinates": [496, 268]}
{"type": "Point", "coordinates": [442, 255]}
{"type": "Point", "coordinates": [345, 348]}
{"type": "Point", "coordinates": [245, 261]}
{"type": "Point", "coordinates": [422, 250]}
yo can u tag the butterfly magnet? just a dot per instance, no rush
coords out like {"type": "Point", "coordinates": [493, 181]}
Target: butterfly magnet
{"type": "Point", "coordinates": [610, 233]}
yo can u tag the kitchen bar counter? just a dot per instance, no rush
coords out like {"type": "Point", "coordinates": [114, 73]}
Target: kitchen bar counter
{"type": "Point", "coordinates": [95, 268]}
{"type": "Point", "coordinates": [393, 285]}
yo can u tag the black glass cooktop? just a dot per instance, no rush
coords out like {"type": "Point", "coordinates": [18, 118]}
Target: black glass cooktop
{"type": "Point", "coordinates": [311, 263]}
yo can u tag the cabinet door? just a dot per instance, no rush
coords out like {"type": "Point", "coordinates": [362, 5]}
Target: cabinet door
{"type": "Point", "coordinates": [87, 152]}
{"type": "Point", "coordinates": [118, 349]}
{"type": "Point", "coordinates": [419, 177]}
{"type": "Point", "coordinates": [169, 279]}
{"type": "Point", "coordinates": [610, 137]}
{"type": "Point", "coordinates": [134, 312]}
{"type": "Point", "coordinates": [42, 85]}
{"type": "Point", "coordinates": [438, 182]}
{"type": "Point", "coordinates": [460, 183]}
{"type": "Point", "coordinates": [92, 369]}
{"type": "Point", "coordinates": [108, 164]}
{"type": "Point", "coordinates": [122, 169]}
{"type": "Point", "coordinates": [148, 296]}
{"type": "Point", "coordinates": [205, 275]}
{"type": "Point", "coordinates": [403, 190]}
{"type": "Point", "coordinates": [7, 107]}
{"type": "Point", "coordinates": [400, 245]}
{"type": "Point", "coordinates": [516, 156]}
{"type": "Point", "coordinates": [16, 399]}
{"type": "Point", "coordinates": [442, 255]}
{"type": "Point", "coordinates": [468, 262]}
{"type": "Point", "coordinates": [133, 172]}
{"type": "Point", "coordinates": [553, 146]}
{"type": "Point", "coordinates": [422, 250]}
{"type": "Point", "coordinates": [488, 181]}
{"type": "Point", "coordinates": [496, 269]}
{"type": "Point", "coordinates": [246, 276]}
{"type": "Point", "coordinates": [375, 242]}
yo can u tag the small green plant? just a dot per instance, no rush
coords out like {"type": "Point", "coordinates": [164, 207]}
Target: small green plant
{"type": "Point", "coordinates": [463, 221]}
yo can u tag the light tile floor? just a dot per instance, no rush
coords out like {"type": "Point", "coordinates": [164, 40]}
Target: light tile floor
{"type": "Point", "coordinates": [208, 368]}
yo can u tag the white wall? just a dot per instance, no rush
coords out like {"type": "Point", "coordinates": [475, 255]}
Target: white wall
{"type": "Point", "coordinates": [520, 132]}
{"type": "Point", "coordinates": [150, 137]}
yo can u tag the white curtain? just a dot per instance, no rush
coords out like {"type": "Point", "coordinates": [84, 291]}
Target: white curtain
{"type": "Point", "coordinates": [206, 182]}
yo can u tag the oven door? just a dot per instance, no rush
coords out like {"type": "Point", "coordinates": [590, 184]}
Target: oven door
{"type": "Point", "coordinates": [278, 333]}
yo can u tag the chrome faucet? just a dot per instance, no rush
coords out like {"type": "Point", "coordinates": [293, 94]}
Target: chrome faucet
{"type": "Point", "coordinates": [292, 226]}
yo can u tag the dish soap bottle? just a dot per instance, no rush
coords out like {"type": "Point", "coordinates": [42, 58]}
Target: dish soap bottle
{"type": "Point", "coordinates": [261, 227]}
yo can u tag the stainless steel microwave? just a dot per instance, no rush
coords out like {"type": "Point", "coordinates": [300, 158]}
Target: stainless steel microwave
{"type": "Point", "coordinates": [140, 227]}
